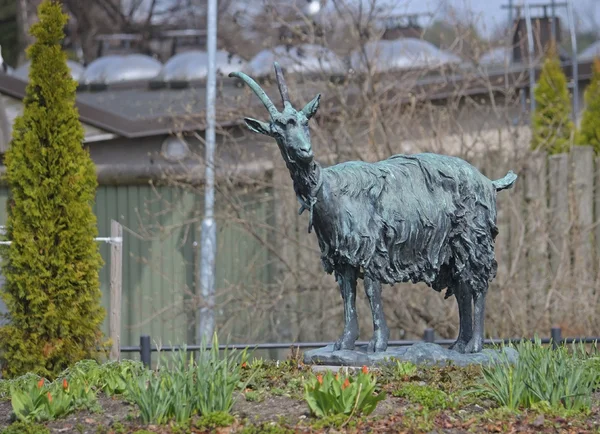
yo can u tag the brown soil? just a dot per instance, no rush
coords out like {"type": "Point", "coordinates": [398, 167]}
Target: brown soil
{"type": "Point", "coordinates": [81, 422]}
{"type": "Point", "coordinates": [391, 415]}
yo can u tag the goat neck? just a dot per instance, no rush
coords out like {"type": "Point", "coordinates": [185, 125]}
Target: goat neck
{"type": "Point", "coordinates": [307, 179]}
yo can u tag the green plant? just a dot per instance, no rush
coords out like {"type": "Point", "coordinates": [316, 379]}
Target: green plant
{"type": "Point", "coordinates": [118, 428]}
{"type": "Point", "coordinates": [20, 427]}
{"type": "Point", "coordinates": [552, 127]}
{"type": "Point", "coordinates": [329, 395]}
{"type": "Point", "coordinates": [116, 375]}
{"type": "Point", "coordinates": [154, 399]}
{"type": "Point", "coordinates": [185, 386]}
{"type": "Point", "coordinates": [336, 421]}
{"type": "Point", "coordinates": [280, 378]}
{"type": "Point", "coordinates": [405, 369]}
{"type": "Point", "coordinates": [589, 132]}
{"type": "Point", "coordinates": [52, 287]}
{"type": "Point", "coordinates": [111, 377]}
{"type": "Point", "coordinates": [421, 420]}
{"type": "Point", "coordinates": [557, 376]}
{"type": "Point", "coordinates": [217, 376]}
{"type": "Point", "coordinates": [18, 383]}
{"type": "Point", "coordinates": [426, 396]}
{"type": "Point", "coordinates": [266, 428]}
{"type": "Point", "coordinates": [39, 401]}
{"type": "Point", "coordinates": [30, 405]}
{"type": "Point", "coordinates": [214, 420]}
{"type": "Point", "coordinates": [253, 396]}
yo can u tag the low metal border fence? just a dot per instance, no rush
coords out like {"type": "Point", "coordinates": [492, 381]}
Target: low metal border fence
{"type": "Point", "coordinates": [145, 348]}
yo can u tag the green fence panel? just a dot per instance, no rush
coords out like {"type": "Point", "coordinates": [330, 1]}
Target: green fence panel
{"type": "Point", "coordinates": [161, 239]}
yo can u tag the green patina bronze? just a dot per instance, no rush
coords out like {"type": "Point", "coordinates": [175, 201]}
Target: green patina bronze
{"type": "Point", "coordinates": [410, 218]}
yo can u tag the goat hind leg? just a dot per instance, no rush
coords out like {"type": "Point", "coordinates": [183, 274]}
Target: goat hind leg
{"type": "Point", "coordinates": [465, 315]}
{"type": "Point", "coordinates": [347, 281]}
{"type": "Point", "coordinates": [381, 332]}
{"type": "Point", "coordinates": [475, 344]}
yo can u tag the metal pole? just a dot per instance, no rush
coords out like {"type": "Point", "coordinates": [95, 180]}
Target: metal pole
{"type": "Point", "coordinates": [510, 19]}
{"type": "Point", "coordinates": [428, 335]}
{"type": "Point", "coordinates": [145, 351]}
{"type": "Point", "coordinates": [530, 49]}
{"type": "Point", "coordinates": [574, 61]}
{"type": "Point", "coordinates": [553, 22]}
{"type": "Point", "coordinates": [556, 338]}
{"type": "Point", "coordinates": [206, 315]}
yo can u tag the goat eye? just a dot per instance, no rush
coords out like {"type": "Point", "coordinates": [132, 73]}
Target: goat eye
{"type": "Point", "coordinates": [292, 122]}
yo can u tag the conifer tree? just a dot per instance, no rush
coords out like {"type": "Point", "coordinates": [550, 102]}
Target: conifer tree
{"type": "Point", "coordinates": [552, 127]}
{"type": "Point", "coordinates": [589, 133]}
{"type": "Point", "coordinates": [52, 287]}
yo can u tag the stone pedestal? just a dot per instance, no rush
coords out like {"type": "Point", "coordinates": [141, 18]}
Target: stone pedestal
{"type": "Point", "coordinates": [419, 354]}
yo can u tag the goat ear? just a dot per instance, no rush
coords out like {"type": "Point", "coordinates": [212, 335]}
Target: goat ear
{"type": "Point", "coordinates": [311, 108]}
{"type": "Point", "coordinates": [258, 126]}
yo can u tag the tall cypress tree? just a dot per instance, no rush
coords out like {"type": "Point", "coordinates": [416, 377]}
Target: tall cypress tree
{"type": "Point", "coordinates": [589, 134]}
{"type": "Point", "coordinates": [552, 127]}
{"type": "Point", "coordinates": [52, 288]}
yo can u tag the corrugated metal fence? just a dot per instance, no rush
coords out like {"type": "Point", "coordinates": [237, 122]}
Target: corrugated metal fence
{"type": "Point", "coordinates": [161, 227]}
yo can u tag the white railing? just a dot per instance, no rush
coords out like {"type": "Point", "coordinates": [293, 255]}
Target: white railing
{"type": "Point", "coordinates": [116, 282]}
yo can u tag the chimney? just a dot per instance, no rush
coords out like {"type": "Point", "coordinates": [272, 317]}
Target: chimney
{"type": "Point", "coordinates": [402, 26]}
{"type": "Point", "coordinates": [542, 37]}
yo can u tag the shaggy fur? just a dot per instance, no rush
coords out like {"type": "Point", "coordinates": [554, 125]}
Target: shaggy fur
{"type": "Point", "coordinates": [421, 218]}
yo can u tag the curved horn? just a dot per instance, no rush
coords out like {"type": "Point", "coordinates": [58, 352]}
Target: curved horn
{"type": "Point", "coordinates": [283, 90]}
{"type": "Point", "coordinates": [258, 91]}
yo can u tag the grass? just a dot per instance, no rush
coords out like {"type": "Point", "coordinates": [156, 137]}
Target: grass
{"type": "Point", "coordinates": [547, 388]}
{"type": "Point", "coordinates": [561, 379]}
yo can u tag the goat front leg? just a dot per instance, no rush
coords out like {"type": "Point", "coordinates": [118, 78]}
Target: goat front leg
{"type": "Point", "coordinates": [381, 332]}
{"type": "Point", "coordinates": [475, 345]}
{"type": "Point", "coordinates": [347, 281]}
{"type": "Point", "coordinates": [465, 315]}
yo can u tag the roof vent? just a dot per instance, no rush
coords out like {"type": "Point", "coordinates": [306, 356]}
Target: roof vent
{"type": "Point", "coordinates": [591, 52]}
{"type": "Point", "coordinates": [193, 65]}
{"type": "Point", "coordinates": [301, 59]}
{"type": "Point", "coordinates": [403, 26]}
{"type": "Point", "coordinates": [407, 53]}
{"type": "Point", "coordinates": [114, 69]}
{"type": "Point", "coordinates": [22, 72]}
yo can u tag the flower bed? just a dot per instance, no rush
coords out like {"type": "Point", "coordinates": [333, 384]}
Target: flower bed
{"type": "Point", "coordinates": [547, 391]}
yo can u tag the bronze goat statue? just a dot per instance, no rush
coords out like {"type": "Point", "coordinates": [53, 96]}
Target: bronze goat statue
{"type": "Point", "coordinates": [421, 218]}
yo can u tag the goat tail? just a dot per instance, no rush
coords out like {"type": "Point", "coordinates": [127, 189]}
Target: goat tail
{"type": "Point", "coordinates": [506, 182]}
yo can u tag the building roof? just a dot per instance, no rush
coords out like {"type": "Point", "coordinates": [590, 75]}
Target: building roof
{"type": "Point", "coordinates": [139, 110]}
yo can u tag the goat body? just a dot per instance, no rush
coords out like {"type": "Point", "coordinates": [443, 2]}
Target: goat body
{"type": "Point", "coordinates": [420, 218]}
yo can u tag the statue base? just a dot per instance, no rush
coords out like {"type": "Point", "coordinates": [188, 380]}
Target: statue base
{"type": "Point", "coordinates": [422, 353]}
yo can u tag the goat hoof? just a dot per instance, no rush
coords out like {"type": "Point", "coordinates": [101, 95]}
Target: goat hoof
{"type": "Point", "coordinates": [376, 346]}
{"type": "Point", "coordinates": [459, 346]}
{"type": "Point", "coordinates": [475, 345]}
{"type": "Point", "coordinates": [342, 344]}
{"type": "Point", "coordinates": [378, 343]}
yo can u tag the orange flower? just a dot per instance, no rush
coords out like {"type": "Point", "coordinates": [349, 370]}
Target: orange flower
{"type": "Point", "coordinates": [65, 384]}
{"type": "Point", "coordinates": [49, 397]}
{"type": "Point", "coordinates": [244, 365]}
{"type": "Point", "coordinates": [365, 370]}
{"type": "Point", "coordinates": [346, 384]}
{"type": "Point", "coordinates": [40, 383]}
{"type": "Point", "coordinates": [337, 376]}
{"type": "Point", "coordinates": [320, 379]}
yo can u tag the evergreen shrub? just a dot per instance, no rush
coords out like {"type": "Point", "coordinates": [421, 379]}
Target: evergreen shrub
{"type": "Point", "coordinates": [52, 287]}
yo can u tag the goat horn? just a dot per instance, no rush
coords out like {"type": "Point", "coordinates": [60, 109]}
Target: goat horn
{"type": "Point", "coordinates": [258, 91]}
{"type": "Point", "coordinates": [283, 90]}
